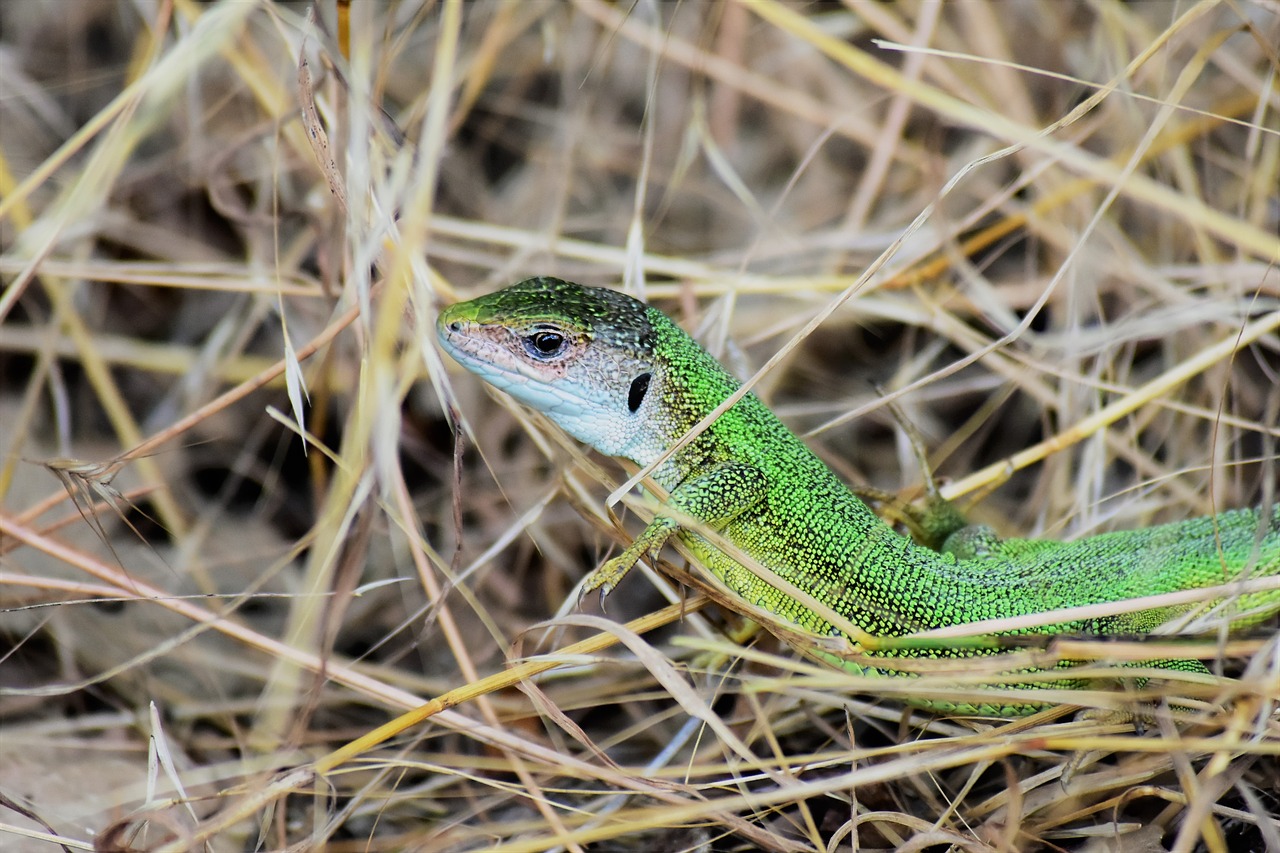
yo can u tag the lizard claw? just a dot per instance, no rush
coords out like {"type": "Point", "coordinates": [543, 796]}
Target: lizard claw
{"type": "Point", "coordinates": [606, 577]}
{"type": "Point", "coordinates": [597, 580]}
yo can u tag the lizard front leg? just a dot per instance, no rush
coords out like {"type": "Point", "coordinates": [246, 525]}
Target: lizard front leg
{"type": "Point", "coordinates": [711, 499]}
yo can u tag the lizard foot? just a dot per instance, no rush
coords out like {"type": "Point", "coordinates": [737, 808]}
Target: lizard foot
{"type": "Point", "coordinates": [608, 576]}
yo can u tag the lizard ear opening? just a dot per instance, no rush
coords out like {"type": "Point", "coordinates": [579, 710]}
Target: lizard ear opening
{"type": "Point", "coordinates": [639, 388]}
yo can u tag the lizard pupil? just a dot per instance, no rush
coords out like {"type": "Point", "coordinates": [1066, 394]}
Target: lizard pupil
{"type": "Point", "coordinates": [639, 387]}
{"type": "Point", "coordinates": [545, 344]}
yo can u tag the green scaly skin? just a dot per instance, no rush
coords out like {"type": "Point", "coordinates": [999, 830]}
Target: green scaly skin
{"type": "Point", "coordinates": [621, 377]}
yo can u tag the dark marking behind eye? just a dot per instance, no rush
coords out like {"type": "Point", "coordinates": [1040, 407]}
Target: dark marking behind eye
{"type": "Point", "coordinates": [639, 387]}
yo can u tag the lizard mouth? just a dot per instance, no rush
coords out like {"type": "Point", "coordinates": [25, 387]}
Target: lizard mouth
{"type": "Point", "coordinates": [477, 348]}
{"type": "Point", "coordinates": [458, 338]}
{"type": "Point", "coordinates": [492, 353]}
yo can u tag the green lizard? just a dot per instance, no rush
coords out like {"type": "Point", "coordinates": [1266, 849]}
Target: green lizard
{"type": "Point", "coordinates": [623, 378]}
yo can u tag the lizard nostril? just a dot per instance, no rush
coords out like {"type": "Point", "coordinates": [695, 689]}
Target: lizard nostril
{"type": "Point", "coordinates": [455, 326]}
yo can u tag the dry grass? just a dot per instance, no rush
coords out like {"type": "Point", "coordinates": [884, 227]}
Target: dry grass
{"type": "Point", "coordinates": [1047, 229]}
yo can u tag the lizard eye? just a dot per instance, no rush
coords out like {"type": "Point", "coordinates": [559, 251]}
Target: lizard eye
{"type": "Point", "coordinates": [545, 344]}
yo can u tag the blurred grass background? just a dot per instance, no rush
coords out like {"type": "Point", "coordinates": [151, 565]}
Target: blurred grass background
{"type": "Point", "coordinates": [237, 530]}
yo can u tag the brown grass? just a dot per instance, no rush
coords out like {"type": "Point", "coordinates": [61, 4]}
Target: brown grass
{"type": "Point", "coordinates": [237, 532]}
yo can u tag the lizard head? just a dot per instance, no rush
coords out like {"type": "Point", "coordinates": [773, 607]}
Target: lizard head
{"type": "Point", "coordinates": [583, 356]}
